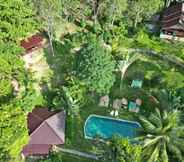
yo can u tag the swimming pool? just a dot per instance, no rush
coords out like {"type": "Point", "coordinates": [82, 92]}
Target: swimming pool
{"type": "Point", "coordinates": [106, 127]}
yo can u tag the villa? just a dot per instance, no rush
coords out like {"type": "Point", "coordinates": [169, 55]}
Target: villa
{"type": "Point", "coordinates": [172, 25]}
{"type": "Point", "coordinates": [46, 130]}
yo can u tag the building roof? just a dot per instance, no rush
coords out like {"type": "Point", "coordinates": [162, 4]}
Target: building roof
{"type": "Point", "coordinates": [172, 17]}
{"type": "Point", "coordinates": [31, 42]}
{"type": "Point", "coordinates": [36, 117]}
{"type": "Point", "coordinates": [38, 149]}
{"type": "Point", "coordinates": [46, 129]}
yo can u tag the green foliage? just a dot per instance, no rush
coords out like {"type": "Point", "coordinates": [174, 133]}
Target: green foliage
{"type": "Point", "coordinates": [11, 67]}
{"type": "Point", "coordinates": [48, 12]}
{"type": "Point", "coordinates": [29, 98]}
{"type": "Point", "coordinates": [162, 136]}
{"type": "Point", "coordinates": [95, 67]}
{"type": "Point", "coordinates": [174, 79]}
{"type": "Point", "coordinates": [71, 104]}
{"type": "Point", "coordinates": [53, 157]}
{"type": "Point", "coordinates": [111, 11]}
{"type": "Point", "coordinates": [143, 40]}
{"type": "Point", "coordinates": [13, 131]}
{"type": "Point", "coordinates": [139, 10]}
{"type": "Point", "coordinates": [17, 20]}
{"type": "Point", "coordinates": [120, 149]}
{"type": "Point", "coordinates": [77, 90]}
{"type": "Point", "coordinates": [75, 10]}
{"type": "Point", "coordinates": [169, 100]}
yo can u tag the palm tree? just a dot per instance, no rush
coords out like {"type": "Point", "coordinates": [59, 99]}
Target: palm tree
{"type": "Point", "coordinates": [170, 99]}
{"type": "Point", "coordinates": [162, 137]}
{"type": "Point", "coordinates": [124, 64]}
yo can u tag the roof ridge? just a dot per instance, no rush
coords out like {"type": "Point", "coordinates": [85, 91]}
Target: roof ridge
{"type": "Point", "coordinates": [54, 131]}
{"type": "Point", "coordinates": [63, 112]}
{"type": "Point", "coordinates": [41, 126]}
{"type": "Point", "coordinates": [37, 128]}
{"type": "Point", "coordinates": [46, 122]}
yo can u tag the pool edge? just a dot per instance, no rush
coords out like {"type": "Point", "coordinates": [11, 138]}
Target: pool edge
{"type": "Point", "coordinates": [106, 117]}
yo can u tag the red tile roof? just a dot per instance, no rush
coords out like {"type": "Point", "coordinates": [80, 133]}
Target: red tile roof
{"type": "Point", "coordinates": [46, 129]}
{"type": "Point", "coordinates": [31, 42]}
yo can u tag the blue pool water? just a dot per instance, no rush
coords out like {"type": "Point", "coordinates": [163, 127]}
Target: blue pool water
{"type": "Point", "coordinates": [105, 128]}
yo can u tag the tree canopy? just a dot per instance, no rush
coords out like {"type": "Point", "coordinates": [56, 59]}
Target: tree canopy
{"type": "Point", "coordinates": [11, 67]}
{"type": "Point", "coordinates": [121, 150]}
{"type": "Point", "coordinates": [139, 10]}
{"type": "Point", "coordinates": [17, 20]}
{"type": "Point", "coordinates": [13, 131]}
{"type": "Point", "coordinates": [95, 66]}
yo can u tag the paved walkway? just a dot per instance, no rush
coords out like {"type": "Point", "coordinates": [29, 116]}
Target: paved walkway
{"type": "Point", "coordinates": [78, 153]}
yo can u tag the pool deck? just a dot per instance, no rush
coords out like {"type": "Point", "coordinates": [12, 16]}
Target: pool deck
{"type": "Point", "coordinates": [106, 117]}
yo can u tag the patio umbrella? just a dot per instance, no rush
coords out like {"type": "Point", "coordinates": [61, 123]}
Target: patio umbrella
{"type": "Point", "coordinates": [138, 101]}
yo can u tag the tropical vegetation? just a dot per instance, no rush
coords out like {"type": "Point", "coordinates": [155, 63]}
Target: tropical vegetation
{"type": "Point", "coordinates": [92, 48]}
{"type": "Point", "coordinates": [162, 136]}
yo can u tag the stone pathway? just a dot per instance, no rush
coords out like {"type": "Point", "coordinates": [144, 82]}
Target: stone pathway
{"type": "Point", "coordinates": [78, 153]}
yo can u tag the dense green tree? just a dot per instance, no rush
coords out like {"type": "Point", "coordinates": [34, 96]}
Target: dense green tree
{"type": "Point", "coordinates": [77, 90]}
{"type": "Point", "coordinates": [113, 10]}
{"type": "Point", "coordinates": [95, 66]}
{"type": "Point", "coordinates": [162, 137]}
{"type": "Point", "coordinates": [16, 20]}
{"type": "Point", "coordinates": [123, 151]}
{"type": "Point", "coordinates": [49, 12]}
{"type": "Point", "coordinates": [119, 149]}
{"type": "Point", "coordinates": [75, 9]}
{"type": "Point", "coordinates": [139, 10]}
{"type": "Point", "coordinates": [13, 131]}
{"type": "Point", "coordinates": [11, 67]}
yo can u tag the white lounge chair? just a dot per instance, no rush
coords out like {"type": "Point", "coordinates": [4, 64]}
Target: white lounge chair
{"type": "Point", "coordinates": [112, 113]}
{"type": "Point", "coordinates": [116, 113]}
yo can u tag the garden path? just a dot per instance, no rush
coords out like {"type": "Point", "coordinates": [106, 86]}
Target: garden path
{"type": "Point", "coordinates": [78, 153]}
{"type": "Point", "coordinates": [172, 59]}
